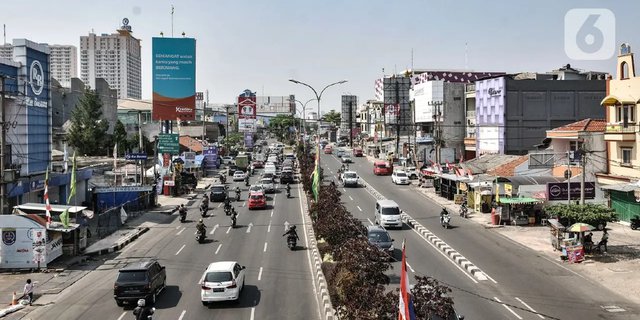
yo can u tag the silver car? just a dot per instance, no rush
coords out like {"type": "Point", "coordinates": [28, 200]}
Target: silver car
{"type": "Point", "coordinates": [267, 185]}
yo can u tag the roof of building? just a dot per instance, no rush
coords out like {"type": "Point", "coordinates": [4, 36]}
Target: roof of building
{"type": "Point", "coordinates": [134, 104]}
{"type": "Point", "coordinates": [508, 169]}
{"type": "Point", "coordinates": [487, 162]}
{"type": "Point", "coordinates": [191, 143]}
{"type": "Point", "coordinates": [590, 125]}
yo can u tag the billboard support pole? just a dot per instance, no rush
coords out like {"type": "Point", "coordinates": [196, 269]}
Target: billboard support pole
{"type": "Point", "coordinates": [583, 160]}
{"type": "Point", "coordinates": [568, 179]}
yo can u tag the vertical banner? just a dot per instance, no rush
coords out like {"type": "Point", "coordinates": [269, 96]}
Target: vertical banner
{"type": "Point", "coordinates": [174, 78]}
{"type": "Point", "coordinates": [247, 111]}
{"type": "Point", "coordinates": [248, 140]}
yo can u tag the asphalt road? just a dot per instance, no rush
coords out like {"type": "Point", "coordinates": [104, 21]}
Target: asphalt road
{"type": "Point", "coordinates": [278, 283]}
{"type": "Point", "coordinates": [528, 285]}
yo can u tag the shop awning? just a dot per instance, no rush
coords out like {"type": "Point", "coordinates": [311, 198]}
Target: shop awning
{"type": "Point", "coordinates": [519, 200]}
{"type": "Point", "coordinates": [623, 187]}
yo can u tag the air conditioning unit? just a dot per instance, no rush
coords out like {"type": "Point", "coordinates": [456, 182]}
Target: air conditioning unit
{"type": "Point", "coordinates": [9, 175]}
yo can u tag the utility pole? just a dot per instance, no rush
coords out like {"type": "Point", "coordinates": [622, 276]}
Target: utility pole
{"type": "Point", "coordinates": [141, 147]}
{"type": "Point", "coordinates": [227, 130]}
{"type": "Point", "coordinates": [398, 113]}
{"type": "Point", "coordinates": [568, 176]}
{"type": "Point", "coordinates": [436, 127]}
{"type": "Point", "coordinates": [583, 161]}
{"type": "Point", "coordinates": [3, 192]}
{"type": "Point", "coordinates": [351, 123]}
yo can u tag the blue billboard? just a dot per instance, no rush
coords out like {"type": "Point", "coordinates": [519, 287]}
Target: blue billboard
{"type": "Point", "coordinates": [174, 78]}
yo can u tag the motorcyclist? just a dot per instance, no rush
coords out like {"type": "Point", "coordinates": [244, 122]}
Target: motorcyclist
{"type": "Point", "coordinates": [182, 210]}
{"type": "Point", "coordinates": [288, 188]}
{"type": "Point", "coordinates": [234, 215]}
{"type": "Point", "coordinates": [291, 232]}
{"type": "Point", "coordinates": [443, 213]}
{"type": "Point", "coordinates": [201, 227]}
{"type": "Point", "coordinates": [246, 180]}
{"type": "Point", "coordinates": [141, 312]}
{"type": "Point", "coordinates": [237, 192]}
{"type": "Point", "coordinates": [227, 203]}
{"type": "Point", "coordinates": [204, 205]}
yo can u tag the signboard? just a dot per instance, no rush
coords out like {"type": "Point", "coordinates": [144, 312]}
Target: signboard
{"type": "Point", "coordinates": [558, 191]}
{"type": "Point", "coordinates": [189, 155]}
{"type": "Point", "coordinates": [248, 140]}
{"type": "Point", "coordinates": [349, 108]}
{"type": "Point", "coordinates": [122, 189]}
{"type": "Point", "coordinates": [135, 156]}
{"type": "Point", "coordinates": [169, 183]}
{"type": "Point", "coordinates": [508, 189]}
{"type": "Point", "coordinates": [396, 96]}
{"type": "Point", "coordinates": [168, 143]}
{"type": "Point", "coordinates": [37, 185]}
{"type": "Point", "coordinates": [247, 125]}
{"type": "Point", "coordinates": [39, 245]}
{"type": "Point", "coordinates": [247, 111]}
{"type": "Point", "coordinates": [211, 157]}
{"type": "Point", "coordinates": [174, 78]}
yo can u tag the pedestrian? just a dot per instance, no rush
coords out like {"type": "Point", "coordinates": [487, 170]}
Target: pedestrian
{"type": "Point", "coordinates": [587, 241]}
{"type": "Point", "coordinates": [603, 241]}
{"type": "Point", "coordinates": [28, 291]}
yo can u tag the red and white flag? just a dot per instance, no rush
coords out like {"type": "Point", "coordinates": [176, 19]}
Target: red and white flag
{"type": "Point", "coordinates": [47, 206]}
{"type": "Point", "coordinates": [405, 306]}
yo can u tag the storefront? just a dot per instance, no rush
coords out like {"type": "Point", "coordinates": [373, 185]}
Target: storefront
{"type": "Point", "coordinates": [521, 211]}
{"type": "Point", "coordinates": [448, 185]}
{"type": "Point", "coordinates": [624, 198]}
{"type": "Point", "coordinates": [480, 196]}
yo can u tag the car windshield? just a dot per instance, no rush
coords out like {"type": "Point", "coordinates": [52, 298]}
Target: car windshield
{"type": "Point", "coordinates": [391, 211]}
{"type": "Point", "coordinates": [401, 174]}
{"type": "Point", "coordinates": [132, 276]}
{"type": "Point", "coordinates": [266, 181]}
{"type": "Point", "coordinates": [350, 175]}
{"type": "Point", "coordinates": [238, 173]}
{"type": "Point", "coordinates": [379, 236]}
{"type": "Point", "coordinates": [218, 276]}
{"type": "Point", "coordinates": [218, 189]}
{"type": "Point", "coordinates": [256, 196]}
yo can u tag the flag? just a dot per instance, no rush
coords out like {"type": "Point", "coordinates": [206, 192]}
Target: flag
{"type": "Point", "coordinates": [405, 306]}
{"type": "Point", "coordinates": [470, 174]}
{"type": "Point", "coordinates": [47, 206]}
{"type": "Point", "coordinates": [64, 218]}
{"type": "Point", "coordinates": [72, 191]}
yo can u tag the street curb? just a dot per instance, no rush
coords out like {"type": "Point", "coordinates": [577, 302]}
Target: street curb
{"type": "Point", "coordinates": [120, 244]}
{"type": "Point", "coordinates": [321, 282]}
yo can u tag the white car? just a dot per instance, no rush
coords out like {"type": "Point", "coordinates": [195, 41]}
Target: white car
{"type": "Point", "coordinates": [222, 281]}
{"type": "Point", "coordinates": [400, 177]}
{"type": "Point", "coordinates": [227, 160]}
{"type": "Point", "coordinates": [267, 185]}
{"type": "Point", "coordinates": [350, 179]}
{"type": "Point", "coordinates": [238, 176]}
{"type": "Point", "coordinates": [256, 188]}
{"type": "Point", "coordinates": [411, 172]}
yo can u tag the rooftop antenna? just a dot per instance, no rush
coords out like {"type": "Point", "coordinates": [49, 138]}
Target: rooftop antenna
{"type": "Point", "coordinates": [4, 33]}
{"type": "Point", "coordinates": [466, 58]}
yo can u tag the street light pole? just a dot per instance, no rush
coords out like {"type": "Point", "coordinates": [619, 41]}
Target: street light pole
{"type": "Point", "coordinates": [318, 96]}
{"type": "Point", "coordinates": [304, 107]}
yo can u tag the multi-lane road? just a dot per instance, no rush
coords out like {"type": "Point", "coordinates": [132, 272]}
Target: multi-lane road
{"type": "Point", "coordinates": [514, 283]}
{"type": "Point", "coordinates": [279, 283]}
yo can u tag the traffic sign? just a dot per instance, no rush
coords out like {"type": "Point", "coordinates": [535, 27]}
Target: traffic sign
{"type": "Point", "coordinates": [168, 143]}
{"type": "Point", "coordinates": [135, 156]}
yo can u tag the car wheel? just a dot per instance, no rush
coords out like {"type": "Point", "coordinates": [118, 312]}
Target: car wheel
{"type": "Point", "coordinates": [119, 303]}
{"type": "Point", "coordinates": [205, 303]}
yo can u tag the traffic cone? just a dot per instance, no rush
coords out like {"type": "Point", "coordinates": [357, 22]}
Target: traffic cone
{"type": "Point", "coordinates": [14, 299]}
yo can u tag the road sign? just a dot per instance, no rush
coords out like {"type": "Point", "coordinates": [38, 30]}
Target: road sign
{"type": "Point", "coordinates": [169, 143]}
{"type": "Point", "coordinates": [135, 156]}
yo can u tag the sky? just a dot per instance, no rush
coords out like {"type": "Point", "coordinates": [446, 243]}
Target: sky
{"type": "Point", "coordinates": [259, 45]}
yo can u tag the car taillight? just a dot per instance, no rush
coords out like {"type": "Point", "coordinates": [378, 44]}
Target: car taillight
{"type": "Point", "coordinates": [205, 287]}
{"type": "Point", "coordinates": [233, 285]}
{"type": "Point", "coordinates": [115, 287]}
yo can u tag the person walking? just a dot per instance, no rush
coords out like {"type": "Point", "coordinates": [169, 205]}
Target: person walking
{"type": "Point", "coordinates": [603, 241]}
{"type": "Point", "coordinates": [28, 291]}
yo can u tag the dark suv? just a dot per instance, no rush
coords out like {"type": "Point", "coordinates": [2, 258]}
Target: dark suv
{"type": "Point", "coordinates": [286, 177]}
{"type": "Point", "coordinates": [218, 193]}
{"type": "Point", "coordinates": [140, 280]}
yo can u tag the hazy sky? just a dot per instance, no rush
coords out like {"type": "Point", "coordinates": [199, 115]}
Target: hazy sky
{"type": "Point", "coordinates": [258, 45]}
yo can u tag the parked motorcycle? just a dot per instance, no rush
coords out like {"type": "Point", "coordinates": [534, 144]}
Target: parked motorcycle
{"type": "Point", "coordinates": [291, 242]}
{"type": "Point", "coordinates": [635, 222]}
{"type": "Point", "coordinates": [445, 220]}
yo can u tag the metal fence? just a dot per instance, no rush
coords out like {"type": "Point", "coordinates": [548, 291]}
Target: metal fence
{"type": "Point", "coordinates": [110, 220]}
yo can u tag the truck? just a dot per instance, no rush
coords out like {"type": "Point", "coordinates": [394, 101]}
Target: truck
{"type": "Point", "coordinates": [242, 161]}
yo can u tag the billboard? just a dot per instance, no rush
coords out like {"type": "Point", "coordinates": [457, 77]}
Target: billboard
{"type": "Point", "coordinates": [211, 157]}
{"type": "Point", "coordinates": [558, 191]}
{"type": "Point", "coordinates": [248, 139]}
{"type": "Point", "coordinates": [174, 78]}
{"type": "Point", "coordinates": [397, 102]}
{"type": "Point", "coordinates": [247, 111]}
{"type": "Point", "coordinates": [349, 108]}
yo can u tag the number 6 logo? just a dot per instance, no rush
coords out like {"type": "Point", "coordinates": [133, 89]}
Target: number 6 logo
{"type": "Point", "coordinates": [589, 34]}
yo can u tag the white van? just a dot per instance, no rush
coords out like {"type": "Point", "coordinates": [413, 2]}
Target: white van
{"type": "Point", "coordinates": [388, 214]}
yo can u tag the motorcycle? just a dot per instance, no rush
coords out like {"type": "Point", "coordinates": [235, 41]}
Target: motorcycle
{"type": "Point", "coordinates": [238, 196]}
{"type": "Point", "coordinates": [288, 193]}
{"type": "Point", "coordinates": [227, 210]}
{"type": "Point", "coordinates": [233, 220]}
{"type": "Point", "coordinates": [291, 242]}
{"type": "Point", "coordinates": [200, 235]}
{"type": "Point", "coordinates": [246, 182]}
{"type": "Point", "coordinates": [463, 211]}
{"type": "Point", "coordinates": [445, 220]}
{"type": "Point", "coordinates": [183, 215]}
{"type": "Point", "coordinates": [635, 222]}
{"type": "Point", "coordinates": [203, 210]}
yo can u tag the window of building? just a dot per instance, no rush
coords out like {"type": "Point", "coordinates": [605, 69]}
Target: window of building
{"type": "Point", "coordinates": [575, 145]}
{"type": "Point", "coordinates": [626, 156]}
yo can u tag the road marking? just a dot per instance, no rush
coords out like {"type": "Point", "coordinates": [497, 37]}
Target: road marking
{"type": "Point", "coordinates": [409, 266]}
{"type": "Point", "coordinates": [370, 222]}
{"type": "Point", "coordinates": [269, 227]}
{"type": "Point", "coordinates": [265, 247]}
{"type": "Point", "coordinates": [180, 249]}
{"type": "Point", "coordinates": [229, 229]}
{"type": "Point", "coordinates": [182, 314]}
{"type": "Point", "coordinates": [218, 249]}
{"type": "Point", "coordinates": [178, 227]}
{"type": "Point", "coordinates": [179, 232]}
{"type": "Point", "coordinates": [260, 274]}
{"type": "Point", "coordinates": [526, 305]}
{"type": "Point", "coordinates": [214, 229]}
{"type": "Point", "coordinates": [359, 208]}
{"type": "Point", "coordinates": [253, 313]}
{"type": "Point", "coordinates": [351, 198]}
{"type": "Point", "coordinates": [243, 204]}
{"type": "Point", "coordinates": [613, 308]}
{"type": "Point", "coordinates": [272, 213]}
{"type": "Point", "coordinates": [249, 227]}
{"type": "Point", "coordinates": [345, 190]}
{"type": "Point", "coordinates": [122, 315]}
{"type": "Point", "coordinates": [506, 307]}
{"type": "Point", "coordinates": [219, 204]}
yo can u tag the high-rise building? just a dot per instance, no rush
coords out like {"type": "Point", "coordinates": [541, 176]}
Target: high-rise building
{"type": "Point", "coordinates": [64, 63]}
{"type": "Point", "coordinates": [115, 58]}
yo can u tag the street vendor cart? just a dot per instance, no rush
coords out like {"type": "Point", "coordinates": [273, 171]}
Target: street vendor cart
{"type": "Point", "coordinates": [556, 230]}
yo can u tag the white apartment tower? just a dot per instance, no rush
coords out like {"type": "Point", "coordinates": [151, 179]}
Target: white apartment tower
{"type": "Point", "coordinates": [64, 63]}
{"type": "Point", "coordinates": [115, 58]}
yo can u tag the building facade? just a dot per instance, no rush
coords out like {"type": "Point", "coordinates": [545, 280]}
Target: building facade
{"type": "Point", "coordinates": [64, 63]}
{"type": "Point", "coordinates": [114, 57]}
{"type": "Point", "coordinates": [514, 112]}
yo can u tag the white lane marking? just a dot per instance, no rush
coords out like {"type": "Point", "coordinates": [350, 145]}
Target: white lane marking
{"type": "Point", "coordinates": [253, 313]}
{"type": "Point", "coordinates": [182, 314]}
{"type": "Point", "coordinates": [358, 208]}
{"type": "Point", "coordinates": [244, 204]}
{"type": "Point", "coordinates": [179, 232]}
{"type": "Point", "coordinates": [351, 198]}
{"type": "Point", "coordinates": [269, 227]}
{"type": "Point", "coordinates": [265, 247]}
{"type": "Point", "coordinates": [229, 229]}
{"type": "Point", "coordinates": [370, 222]}
{"type": "Point", "coordinates": [218, 249]}
{"type": "Point", "coordinates": [214, 229]}
{"type": "Point", "coordinates": [180, 249]}
{"type": "Point", "coordinates": [272, 213]}
{"type": "Point", "coordinates": [409, 266]}
{"type": "Point", "coordinates": [528, 307]}
{"type": "Point", "coordinates": [260, 274]}
{"type": "Point", "coordinates": [122, 315]}
{"type": "Point", "coordinates": [219, 204]}
{"type": "Point", "coordinates": [249, 227]}
{"type": "Point", "coordinates": [343, 189]}
{"type": "Point", "coordinates": [506, 307]}
{"type": "Point", "coordinates": [178, 227]}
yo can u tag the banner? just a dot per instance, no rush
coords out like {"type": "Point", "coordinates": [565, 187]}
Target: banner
{"type": "Point", "coordinates": [558, 191]}
{"type": "Point", "coordinates": [174, 78]}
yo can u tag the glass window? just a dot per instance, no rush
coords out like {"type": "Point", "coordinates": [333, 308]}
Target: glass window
{"type": "Point", "coordinates": [379, 237]}
{"type": "Point", "coordinates": [392, 211]}
{"type": "Point", "coordinates": [132, 276]}
{"type": "Point", "coordinates": [222, 276]}
{"type": "Point", "coordinates": [626, 155]}
{"type": "Point", "coordinates": [619, 114]}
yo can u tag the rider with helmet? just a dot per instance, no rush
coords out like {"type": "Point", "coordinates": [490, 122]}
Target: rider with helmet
{"type": "Point", "coordinates": [291, 232]}
{"type": "Point", "coordinates": [201, 227]}
{"type": "Point", "coordinates": [141, 312]}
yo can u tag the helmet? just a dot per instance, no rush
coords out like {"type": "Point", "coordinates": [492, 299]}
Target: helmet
{"type": "Point", "coordinates": [293, 227]}
{"type": "Point", "coordinates": [141, 302]}
{"type": "Point", "coordinates": [182, 205]}
{"type": "Point", "coordinates": [200, 220]}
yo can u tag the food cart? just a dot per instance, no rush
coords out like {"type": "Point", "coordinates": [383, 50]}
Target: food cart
{"type": "Point", "coordinates": [556, 230]}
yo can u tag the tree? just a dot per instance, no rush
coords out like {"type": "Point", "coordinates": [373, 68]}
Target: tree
{"type": "Point", "coordinates": [333, 117]}
{"type": "Point", "coordinates": [281, 123]}
{"type": "Point", "coordinates": [593, 214]}
{"type": "Point", "coordinates": [88, 128]}
{"type": "Point", "coordinates": [120, 136]}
